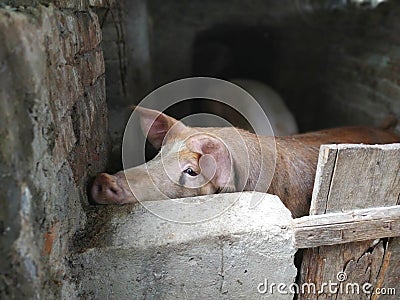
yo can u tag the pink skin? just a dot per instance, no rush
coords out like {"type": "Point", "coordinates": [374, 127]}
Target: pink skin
{"type": "Point", "coordinates": [167, 175]}
{"type": "Point", "coordinates": [110, 188]}
{"type": "Point", "coordinates": [200, 161]}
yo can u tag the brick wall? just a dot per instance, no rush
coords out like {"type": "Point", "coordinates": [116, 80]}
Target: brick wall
{"type": "Point", "coordinates": [53, 133]}
{"type": "Point", "coordinates": [128, 65]}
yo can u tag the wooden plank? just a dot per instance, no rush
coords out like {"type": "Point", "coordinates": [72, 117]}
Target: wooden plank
{"type": "Point", "coordinates": [352, 226]}
{"type": "Point", "coordinates": [362, 175]}
{"type": "Point", "coordinates": [389, 274]}
{"type": "Point", "coordinates": [323, 178]}
{"type": "Point", "coordinates": [352, 177]}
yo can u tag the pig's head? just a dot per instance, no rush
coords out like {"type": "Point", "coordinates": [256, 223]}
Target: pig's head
{"type": "Point", "coordinates": [191, 162]}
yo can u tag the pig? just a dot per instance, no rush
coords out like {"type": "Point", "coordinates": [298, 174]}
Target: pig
{"type": "Point", "coordinates": [196, 161]}
{"type": "Point", "coordinates": [281, 119]}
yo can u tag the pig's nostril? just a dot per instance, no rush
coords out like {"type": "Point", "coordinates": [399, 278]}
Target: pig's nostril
{"type": "Point", "coordinates": [114, 191]}
{"type": "Point", "coordinates": [99, 188]}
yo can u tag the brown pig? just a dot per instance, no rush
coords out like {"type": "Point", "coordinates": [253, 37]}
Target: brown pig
{"type": "Point", "coordinates": [198, 161]}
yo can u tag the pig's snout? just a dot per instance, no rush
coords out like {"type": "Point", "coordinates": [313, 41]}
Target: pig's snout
{"type": "Point", "coordinates": [108, 189]}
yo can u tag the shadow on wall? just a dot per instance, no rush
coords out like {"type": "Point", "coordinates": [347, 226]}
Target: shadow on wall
{"type": "Point", "coordinates": [332, 68]}
{"type": "Point", "coordinates": [246, 56]}
{"type": "Point", "coordinates": [235, 51]}
{"type": "Point", "coordinates": [231, 51]}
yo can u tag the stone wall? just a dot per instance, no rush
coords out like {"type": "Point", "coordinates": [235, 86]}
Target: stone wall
{"type": "Point", "coordinates": [53, 138]}
{"type": "Point", "coordinates": [340, 66]}
{"type": "Point", "coordinates": [334, 62]}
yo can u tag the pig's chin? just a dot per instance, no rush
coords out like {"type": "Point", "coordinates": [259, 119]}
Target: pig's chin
{"type": "Point", "coordinates": [123, 198]}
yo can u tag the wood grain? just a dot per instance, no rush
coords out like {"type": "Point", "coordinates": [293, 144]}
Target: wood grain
{"type": "Point", "coordinates": [352, 226]}
{"type": "Point", "coordinates": [353, 177]}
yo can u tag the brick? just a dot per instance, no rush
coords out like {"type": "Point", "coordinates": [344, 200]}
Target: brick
{"type": "Point", "coordinates": [54, 111]}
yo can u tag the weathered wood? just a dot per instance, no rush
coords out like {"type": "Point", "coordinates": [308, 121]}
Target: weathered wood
{"type": "Point", "coordinates": [389, 275]}
{"type": "Point", "coordinates": [352, 177]}
{"type": "Point", "coordinates": [352, 226]}
{"type": "Point", "coordinates": [357, 175]}
{"type": "Point", "coordinates": [323, 178]}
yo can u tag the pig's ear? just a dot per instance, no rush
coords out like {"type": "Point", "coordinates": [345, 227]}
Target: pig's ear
{"type": "Point", "coordinates": [156, 125]}
{"type": "Point", "coordinates": [215, 161]}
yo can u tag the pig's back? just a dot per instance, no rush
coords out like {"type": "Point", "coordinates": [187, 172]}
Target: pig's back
{"type": "Point", "coordinates": [297, 160]}
{"type": "Point", "coordinates": [347, 135]}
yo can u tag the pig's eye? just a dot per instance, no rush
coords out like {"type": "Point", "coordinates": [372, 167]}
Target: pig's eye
{"type": "Point", "coordinates": [190, 172]}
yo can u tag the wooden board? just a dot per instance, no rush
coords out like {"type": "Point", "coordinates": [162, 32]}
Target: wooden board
{"type": "Point", "coordinates": [352, 226]}
{"type": "Point", "coordinates": [351, 177]}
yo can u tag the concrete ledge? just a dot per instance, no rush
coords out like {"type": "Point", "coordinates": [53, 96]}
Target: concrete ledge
{"type": "Point", "coordinates": [227, 257]}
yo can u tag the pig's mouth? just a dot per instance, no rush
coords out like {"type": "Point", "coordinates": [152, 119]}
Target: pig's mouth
{"type": "Point", "coordinates": [109, 189]}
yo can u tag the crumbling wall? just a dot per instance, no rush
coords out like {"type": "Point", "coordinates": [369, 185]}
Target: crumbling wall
{"type": "Point", "coordinates": [334, 62]}
{"type": "Point", "coordinates": [363, 84]}
{"type": "Point", "coordinates": [53, 134]}
{"type": "Point", "coordinates": [339, 65]}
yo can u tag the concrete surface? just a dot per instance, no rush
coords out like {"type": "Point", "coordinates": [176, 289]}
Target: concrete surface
{"type": "Point", "coordinates": [141, 256]}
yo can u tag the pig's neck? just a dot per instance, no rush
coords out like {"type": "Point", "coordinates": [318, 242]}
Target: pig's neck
{"type": "Point", "coordinates": [262, 153]}
{"type": "Point", "coordinates": [253, 161]}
